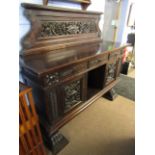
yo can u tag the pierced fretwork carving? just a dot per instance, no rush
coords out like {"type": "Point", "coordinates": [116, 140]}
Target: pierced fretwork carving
{"type": "Point", "coordinates": [66, 28]}
{"type": "Point", "coordinates": [51, 78]}
{"type": "Point", "coordinates": [72, 94]}
{"type": "Point", "coordinates": [111, 71]}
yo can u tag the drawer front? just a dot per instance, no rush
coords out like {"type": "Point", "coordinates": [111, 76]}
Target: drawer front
{"type": "Point", "coordinates": [116, 54]}
{"type": "Point", "coordinates": [98, 61]}
{"type": "Point", "coordinates": [70, 71]}
{"type": "Point", "coordinates": [58, 76]}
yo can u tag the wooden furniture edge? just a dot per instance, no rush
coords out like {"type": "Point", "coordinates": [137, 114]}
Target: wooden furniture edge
{"type": "Point", "coordinates": [44, 7]}
{"type": "Point", "coordinates": [75, 62]}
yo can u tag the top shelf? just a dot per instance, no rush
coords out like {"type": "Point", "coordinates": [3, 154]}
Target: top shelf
{"type": "Point", "coordinates": [84, 3]}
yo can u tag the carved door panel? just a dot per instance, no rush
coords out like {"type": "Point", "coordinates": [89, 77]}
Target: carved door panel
{"type": "Point", "coordinates": [111, 71]}
{"type": "Point", "coordinates": [73, 93]}
{"type": "Point", "coordinates": [119, 64]}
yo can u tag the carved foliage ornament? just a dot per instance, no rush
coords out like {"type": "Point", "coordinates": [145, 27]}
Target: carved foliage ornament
{"type": "Point", "coordinates": [111, 72]}
{"type": "Point", "coordinates": [72, 96]}
{"type": "Point", "coordinates": [51, 79]}
{"type": "Point", "coordinates": [67, 28]}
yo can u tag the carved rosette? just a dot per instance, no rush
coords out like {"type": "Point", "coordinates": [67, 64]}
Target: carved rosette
{"type": "Point", "coordinates": [49, 29]}
{"type": "Point", "coordinates": [111, 71]}
{"type": "Point", "coordinates": [51, 79]}
{"type": "Point", "coordinates": [72, 94]}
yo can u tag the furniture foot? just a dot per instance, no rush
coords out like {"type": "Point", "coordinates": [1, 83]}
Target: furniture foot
{"type": "Point", "coordinates": [56, 142]}
{"type": "Point", "coordinates": [111, 94]}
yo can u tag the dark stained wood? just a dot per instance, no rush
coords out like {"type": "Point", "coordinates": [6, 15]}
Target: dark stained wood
{"type": "Point", "coordinates": [56, 28]}
{"type": "Point", "coordinates": [75, 112]}
{"type": "Point", "coordinates": [84, 3]}
{"type": "Point", "coordinates": [45, 63]}
{"type": "Point", "coordinates": [111, 94]}
{"type": "Point", "coordinates": [40, 7]}
{"type": "Point", "coordinates": [75, 68]}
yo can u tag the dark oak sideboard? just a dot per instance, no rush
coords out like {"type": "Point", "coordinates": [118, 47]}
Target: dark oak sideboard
{"type": "Point", "coordinates": [67, 64]}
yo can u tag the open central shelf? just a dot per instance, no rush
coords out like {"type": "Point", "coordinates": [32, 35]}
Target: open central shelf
{"type": "Point", "coordinates": [95, 82]}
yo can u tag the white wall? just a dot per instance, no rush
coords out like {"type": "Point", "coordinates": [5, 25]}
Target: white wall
{"type": "Point", "coordinates": [98, 5]}
{"type": "Point", "coordinates": [126, 28]}
{"type": "Point", "coordinates": [122, 20]}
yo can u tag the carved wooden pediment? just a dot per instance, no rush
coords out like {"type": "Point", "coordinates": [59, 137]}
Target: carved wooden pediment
{"type": "Point", "coordinates": [53, 28]}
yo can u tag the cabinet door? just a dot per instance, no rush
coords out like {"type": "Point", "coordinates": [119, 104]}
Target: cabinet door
{"type": "Point", "coordinates": [111, 71]}
{"type": "Point", "coordinates": [73, 93]}
{"type": "Point", "coordinates": [119, 65]}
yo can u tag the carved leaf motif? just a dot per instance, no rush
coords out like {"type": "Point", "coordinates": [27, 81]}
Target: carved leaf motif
{"type": "Point", "coordinates": [73, 29]}
{"type": "Point", "coordinates": [111, 72]}
{"type": "Point", "coordinates": [51, 79]}
{"type": "Point", "coordinates": [65, 28]}
{"type": "Point", "coordinates": [72, 96]}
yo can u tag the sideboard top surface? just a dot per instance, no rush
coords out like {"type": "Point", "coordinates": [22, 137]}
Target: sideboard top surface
{"type": "Point", "coordinates": [47, 62]}
{"type": "Point", "coordinates": [43, 7]}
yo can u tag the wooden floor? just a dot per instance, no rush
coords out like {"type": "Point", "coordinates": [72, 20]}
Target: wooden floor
{"type": "Point", "coordinates": [104, 128]}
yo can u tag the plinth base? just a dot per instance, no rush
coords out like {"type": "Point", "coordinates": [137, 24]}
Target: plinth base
{"type": "Point", "coordinates": [56, 142]}
{"type": "Point", "coordinates": [111, 94]}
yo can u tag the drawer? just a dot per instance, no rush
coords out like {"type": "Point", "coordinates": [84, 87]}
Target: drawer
{"type": "Point", "coordinates": [116, 54]}
{"type": "Point", "coordinates": [97, 61]}
{"type": "Point", "coordinates": [69, 71]}
{"type": "Point", "coordinates": [60, 75]}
